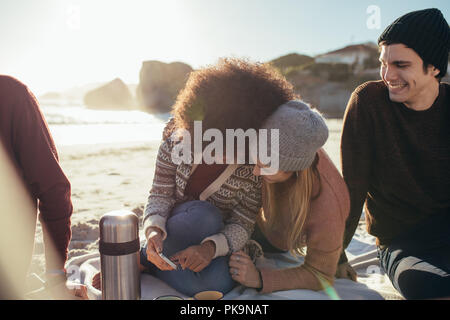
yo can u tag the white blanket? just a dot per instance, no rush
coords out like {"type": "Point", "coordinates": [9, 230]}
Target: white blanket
{"type": "Point", "coordinates": [371, 285]}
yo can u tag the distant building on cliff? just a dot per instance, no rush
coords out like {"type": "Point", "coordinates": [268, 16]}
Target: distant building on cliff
{"type": "Point", "coordinates": [362, 56]}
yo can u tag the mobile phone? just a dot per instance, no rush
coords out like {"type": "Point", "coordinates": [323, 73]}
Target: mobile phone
{"type": "Point", "coordinates": [170, 263]}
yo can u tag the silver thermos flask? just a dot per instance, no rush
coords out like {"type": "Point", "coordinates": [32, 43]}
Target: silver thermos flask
{"type": "Point", "coordinates": [119, 256]}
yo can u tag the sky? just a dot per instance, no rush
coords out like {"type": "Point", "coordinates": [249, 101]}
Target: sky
{"type": "Point", "coordinates": [53, 45]}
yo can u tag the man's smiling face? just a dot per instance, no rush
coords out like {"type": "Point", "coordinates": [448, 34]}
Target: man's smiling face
{"type": "Point", "coordinates": [403, 73]}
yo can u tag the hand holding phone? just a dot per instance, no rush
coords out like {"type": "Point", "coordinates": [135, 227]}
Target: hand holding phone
{"type": "Point", "coordinates": [168, 261]}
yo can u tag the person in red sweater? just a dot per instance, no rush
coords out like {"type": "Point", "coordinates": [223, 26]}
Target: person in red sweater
{"type": "Point", "coordinates": [27, 142]}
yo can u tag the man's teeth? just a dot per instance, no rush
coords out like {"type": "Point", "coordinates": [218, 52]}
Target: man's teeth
{"type": "Point", "coordinates": [397, 85]}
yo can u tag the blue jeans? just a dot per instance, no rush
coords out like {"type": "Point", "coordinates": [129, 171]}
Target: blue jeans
{"type": "Point", "coordinates": [188, 225]}
{"type": "Point", "coordinates": [418, 263]}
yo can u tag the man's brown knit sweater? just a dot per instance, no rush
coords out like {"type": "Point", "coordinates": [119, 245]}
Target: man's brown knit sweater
{"type": "Point", "coordinates": [395, 160]}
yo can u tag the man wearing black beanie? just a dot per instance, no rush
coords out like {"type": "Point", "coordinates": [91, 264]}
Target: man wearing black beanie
{"type": "Point", "coordinates": [395, 151]}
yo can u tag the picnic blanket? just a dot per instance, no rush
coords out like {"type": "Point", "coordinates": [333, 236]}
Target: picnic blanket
{"type": "Point", "coordinates": [372, 284]}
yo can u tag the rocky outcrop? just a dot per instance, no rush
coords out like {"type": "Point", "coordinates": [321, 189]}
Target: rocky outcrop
{"type": "Point", "coordinates": [159, 84]}
{"type": "Point", "coordinates": [330, 98]}
{"type": "Point", "coordinates": [328, 84]}
{"type": "Point", "coordinates": [51, 96]}
{"type": "Point", "coordinates": [113, 95]}
{"type": "Point", "coordinates": [291, 60]}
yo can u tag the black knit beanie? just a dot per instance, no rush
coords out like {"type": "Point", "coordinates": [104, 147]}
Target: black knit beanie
{"type": "Point", "coordinates": [425, 31]}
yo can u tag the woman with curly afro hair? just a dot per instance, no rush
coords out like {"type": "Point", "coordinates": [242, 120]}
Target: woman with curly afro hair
{"type": "Point", "coordinates": [198, 214]}
{"type": "Point", "coordinates": [232, 94]}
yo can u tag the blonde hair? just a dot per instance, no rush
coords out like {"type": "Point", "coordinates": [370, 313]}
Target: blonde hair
{"type": "Point", "coordinates": [299, 196]}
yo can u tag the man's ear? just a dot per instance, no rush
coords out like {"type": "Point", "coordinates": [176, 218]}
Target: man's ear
{"type": "Point", "coordinates": [435, 71]}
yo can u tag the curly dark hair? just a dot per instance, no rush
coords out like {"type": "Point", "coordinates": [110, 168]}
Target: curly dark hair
{"type": "Point", "coordinates": [232, 94]}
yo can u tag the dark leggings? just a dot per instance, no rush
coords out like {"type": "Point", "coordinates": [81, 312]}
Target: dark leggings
{"type": "Point", "coordinates": [418, 263]}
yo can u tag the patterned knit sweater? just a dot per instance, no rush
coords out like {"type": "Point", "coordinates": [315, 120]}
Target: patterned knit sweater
{"type": "Point", "coordinates": [236, 192]}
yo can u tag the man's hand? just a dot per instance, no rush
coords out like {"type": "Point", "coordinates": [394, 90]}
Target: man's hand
{"type": "Point", "coordinates": [195, 258]}
{"type": "Point", "coordinates": [59, 292]}
{"type": "Point", "coordinates": [154, 247]}
{"type": "Point", "coordinates": [97, 281]}
{"type": "Point", "coordinates": [62, 292]}
{"type": "Point", "coordinates": [345, 271]}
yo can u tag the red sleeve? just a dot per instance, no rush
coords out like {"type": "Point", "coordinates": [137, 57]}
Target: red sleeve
{"type": "Point", "coordinates": [36, 155]}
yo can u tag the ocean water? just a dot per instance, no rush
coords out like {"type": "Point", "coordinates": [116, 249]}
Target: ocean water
{"type": "Point", "coordinates": [78, 125]}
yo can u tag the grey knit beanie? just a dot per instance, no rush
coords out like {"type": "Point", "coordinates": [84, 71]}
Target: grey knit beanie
{"type": "Point", "coordinates": [302, 132]}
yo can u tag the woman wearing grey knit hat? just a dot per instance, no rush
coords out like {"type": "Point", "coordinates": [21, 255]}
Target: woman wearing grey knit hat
{"type": "Point", "coordinates": [305, 204]}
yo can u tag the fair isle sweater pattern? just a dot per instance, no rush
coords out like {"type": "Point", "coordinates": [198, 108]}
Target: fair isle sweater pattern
{"type": "Point", "coordinates": [238, 197]}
